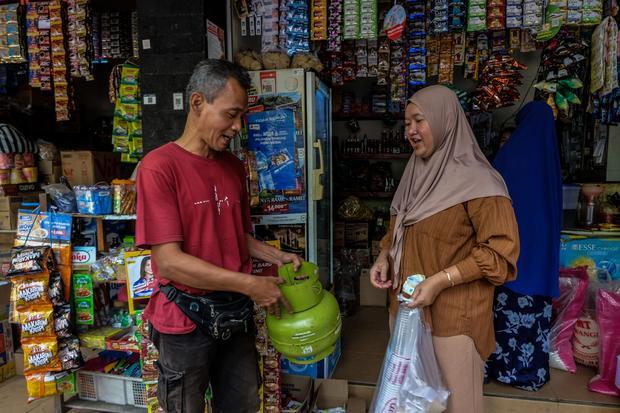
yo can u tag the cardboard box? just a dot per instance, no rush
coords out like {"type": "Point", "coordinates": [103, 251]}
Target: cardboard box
{"type": "Point", "coordinates": [88, 167]}
{"type": "Point", "coordinates": [370, 295]}
{"type": "Point", "coordinates": [50, 171]}
{"type": "Point", "coordinates": [8, 219]}
{"type": "Point", "coordinates": [602, 253]}
{"type": "Point", "coordinates": [299, 388]}
{"type": "Point", "coordinates": [332, 393]}
{"type": "Point", "coordinates": [322, 369]}
{"type": "Point", "coordinates": [7, 202]}
{"type": "Point", "coordinates": [7, 357]}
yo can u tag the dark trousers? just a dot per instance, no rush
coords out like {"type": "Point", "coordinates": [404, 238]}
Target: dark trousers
{"type": "Point", "coordinates": [188, 362]}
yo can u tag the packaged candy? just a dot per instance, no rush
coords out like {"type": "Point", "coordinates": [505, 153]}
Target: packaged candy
{"type": "Point", "coordinates": [37, 322]}
{"type": "Point", "coordinates": [41, 355]}
{"type": "Point", "coordinates": [335, 26]}
{"type": "Point", "coordinates": [368, 19]}
{"type": "Point", "coordinates": [39, 385]}
{"type": "Point", "coordinates": [62, 321]}
{"type": "Point", "coordinates": [351, 19]}
{"type": "Point", "coordinates": [30, 260]}
{"type": "Point", "coordinates": [477, 16]}
{"type": "Point", "coordinates": [56, 290]}
{"type": "Point", "coordinates": [30, 291]}
{"type": "Point", "coordinates": [319, 19]}
{"type": "Point", "coordinates": [297, 31]}
{"type": "Point", "coordinates": [69, 353]}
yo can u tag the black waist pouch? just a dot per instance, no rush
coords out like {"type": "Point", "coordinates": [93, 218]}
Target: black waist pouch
{"type": "Point", "coordinates": [220, 314]}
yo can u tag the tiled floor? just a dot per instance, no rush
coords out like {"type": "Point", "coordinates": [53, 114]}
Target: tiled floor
{"type": "Point", "coordinates": [365, 338]}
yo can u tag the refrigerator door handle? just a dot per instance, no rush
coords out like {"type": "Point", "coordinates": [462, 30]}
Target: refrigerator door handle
{"type": "Point", "coordinates": [317, 174]}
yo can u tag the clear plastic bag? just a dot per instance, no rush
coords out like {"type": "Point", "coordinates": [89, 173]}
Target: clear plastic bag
{"type": "Point", "coordinates": [410, 379]}
{"type": "Point", "coordinates": [62, 197]}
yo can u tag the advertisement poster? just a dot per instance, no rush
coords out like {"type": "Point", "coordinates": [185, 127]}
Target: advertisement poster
{"type": "Point", "coordinates": [271, 135]}
{"type": "Point", "coordinates": [140, 278]}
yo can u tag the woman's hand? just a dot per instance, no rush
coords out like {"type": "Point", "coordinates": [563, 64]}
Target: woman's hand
{"type": "Point", "coordinates": [379, 276]}
{"type": "Point", "coordinates": [427, 291]}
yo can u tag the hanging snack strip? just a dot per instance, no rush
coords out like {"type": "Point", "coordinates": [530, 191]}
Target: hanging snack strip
{"type": "Point", "coordinates": [457, 13]}
{"type": "Point", "coordinates": [269, 27]}
{"type": "Point", "coordinates": [514, 14]}
{"type": "Point", "coordinates": [383, 67]}
{"type": "Point", "coordinates": [351, 19]}
{"type": "Point", "coordinates": [334, 42]}
{"type": "Point", "coordinates": [496, 14]}
{"type": "Point", "coordinates": [416, 53]}
{"type": "Point", "coordinates": [439, 17]}
{"type": "Point", "coordinates": [39, 46]}
{"type": "Point", "coordinates": [368, 19]}
{"type": "Point", "coordinates": [298, 30]}
{"type": "Point", "coordinates": [282, 23]}
{"type": "Point", "coordinates": [398, 72]}
{"type": "Point", "coordinates": [459, 43]}
{"type": "Point", "coordinates": [592, 11]}
{"type": "Point", "coordinates": [533, 12]}
{"type": "Point", "coordinates": [446, 66]}
{"type": "Point", "coordinates": [361, 57]}
{"type": "Point", "coordinates": [76, 16]}
{"type": "Point", "coordinates": [477, 16]}
{"type": "Point", "coordinates": [10, 40]}
{"type": "Point", "coordinates": [127, 125]}
{"type": "Point", "coordinates": [319, 19]}
{"type": "Point", "coordinates": [432, 56]}
{"type": "Point", "coordinates": [59, 62]}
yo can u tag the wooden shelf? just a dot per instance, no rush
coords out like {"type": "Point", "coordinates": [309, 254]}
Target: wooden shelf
{"type": "Point", "coordinates": [373, 156]}
{"type": "Point", "coordinates": [340, 116]}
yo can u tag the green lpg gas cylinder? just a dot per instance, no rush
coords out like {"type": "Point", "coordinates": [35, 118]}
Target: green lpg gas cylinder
{"type": "Point", "coordinates": [310, 333]}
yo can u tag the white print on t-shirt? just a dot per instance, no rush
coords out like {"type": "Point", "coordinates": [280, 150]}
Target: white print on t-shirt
{"type": "Point", "coordinates": [218, 201]}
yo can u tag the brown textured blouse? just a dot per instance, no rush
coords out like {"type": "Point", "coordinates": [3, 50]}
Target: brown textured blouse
{"type": "Point", "coordinates": [481, 238]}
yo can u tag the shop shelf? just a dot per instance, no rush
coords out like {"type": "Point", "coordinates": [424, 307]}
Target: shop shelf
{"type": "Point", "coordinates": [341, 116]}
{"type": "Point", "coordinates": [112, 389]}
{"type": "Point", "coordinates": [373, 156]}
{"type": "Point", "coordinates": [102, 406]}
{"type": "Point", "coordinates": [107, 217]}
{"type": "Point", "coordinates": [368, 194]}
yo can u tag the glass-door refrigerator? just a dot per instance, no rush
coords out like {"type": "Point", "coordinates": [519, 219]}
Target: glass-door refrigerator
{"type": "Point", "coordinates": [286, 146]}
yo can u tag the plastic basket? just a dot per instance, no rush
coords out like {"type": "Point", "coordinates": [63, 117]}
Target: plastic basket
{"type": "Point", "coordinates": [111, 388]}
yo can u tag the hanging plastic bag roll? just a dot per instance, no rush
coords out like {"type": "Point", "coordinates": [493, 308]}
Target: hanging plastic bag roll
{"type": "Point", "coordinates": [410, 379]}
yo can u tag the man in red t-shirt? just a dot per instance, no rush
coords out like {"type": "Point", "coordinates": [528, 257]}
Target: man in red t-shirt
{"type": "Point", "coordinates": [193, 213]}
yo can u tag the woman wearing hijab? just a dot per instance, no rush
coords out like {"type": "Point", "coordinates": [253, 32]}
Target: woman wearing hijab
{"type": "Point", "coordinates": [451, 220]}
{"type": "Point", "coordinates": [523, 307]}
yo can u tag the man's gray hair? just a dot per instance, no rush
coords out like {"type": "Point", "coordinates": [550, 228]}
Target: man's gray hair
{"type": "Point", "coordinates": [210, 77]}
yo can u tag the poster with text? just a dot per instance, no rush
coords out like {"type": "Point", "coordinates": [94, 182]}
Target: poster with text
{"type": "Point", "coordinates": [271, 135]}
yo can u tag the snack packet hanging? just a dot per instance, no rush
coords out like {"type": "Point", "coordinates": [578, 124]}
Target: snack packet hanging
{"type": "Point", "coordinates": [37, 322]}
{"type": "Point", "coordinates": [84, 304]}
{"type": "Point", "coordinates": [30, 291]}
{"type": "Point", "coordinates": [62, 321]}
{"type": "Point", "coordinates": [39, 385]}
{"type": "Point", "coordinates": [69, 353]}
{"type": "Point", "coordinates": [56, 291]}
{"type": "Point", "coordinates": [30, 260]}
{"type": "Point", "coordinates": [41, 355]}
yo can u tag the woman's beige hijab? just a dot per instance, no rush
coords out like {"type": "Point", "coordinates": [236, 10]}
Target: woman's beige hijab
{"type": "Point", "coordinates": [457, 170]}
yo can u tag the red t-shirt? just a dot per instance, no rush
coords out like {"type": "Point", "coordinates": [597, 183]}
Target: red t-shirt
{"type": "Point", "coordinates": [200, 202]}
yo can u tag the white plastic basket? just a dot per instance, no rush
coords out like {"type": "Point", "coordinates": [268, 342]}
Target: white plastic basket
{"type": "Point", "coordinates": [111, 388]}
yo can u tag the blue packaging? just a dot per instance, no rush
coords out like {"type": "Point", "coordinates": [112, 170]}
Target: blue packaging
{"type": "Point", "coordinates": [322, 369]}
{"type": "Point", "coordinates": [601, 253]}
{"type": "Point", "coordinates": [94, 200]}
